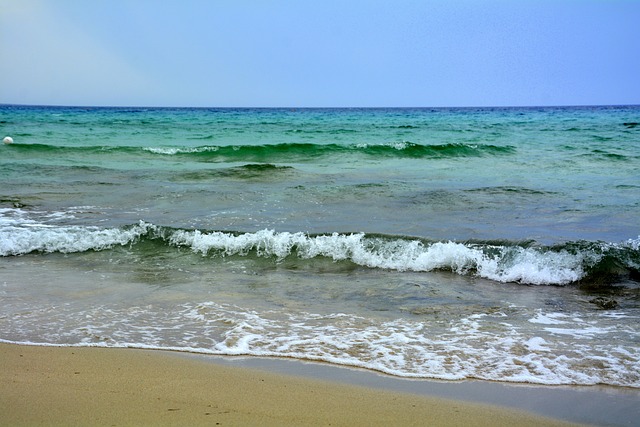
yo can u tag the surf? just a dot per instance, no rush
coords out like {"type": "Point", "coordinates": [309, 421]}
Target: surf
{"type": "Point", "coordinates": [585, 263]}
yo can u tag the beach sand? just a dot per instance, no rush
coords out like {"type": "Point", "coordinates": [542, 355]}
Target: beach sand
{"type": "Point", "coordinates": [96, 386]}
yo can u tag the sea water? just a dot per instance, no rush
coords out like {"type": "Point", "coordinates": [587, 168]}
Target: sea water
{"type": "Point", "coordinates": [490, 243]}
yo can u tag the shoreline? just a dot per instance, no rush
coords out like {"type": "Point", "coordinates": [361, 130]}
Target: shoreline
{"type": "Point", "coordinates": [582, 404]}
{"type": "Point", "coordinates": [100, 386]}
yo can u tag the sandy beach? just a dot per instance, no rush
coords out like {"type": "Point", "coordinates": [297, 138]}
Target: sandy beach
{"type": "Point", "coordinates": [94, 386]}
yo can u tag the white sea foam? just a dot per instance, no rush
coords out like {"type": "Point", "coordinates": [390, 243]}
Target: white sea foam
{"type": "Point", "coordinates": [40, 237]}
{"type": "Point", "coordinates": [21, 217]}
{"type": "Point", "coordinates": [582, 333]}
{"type": "Point", "coordinates": [12, 217]}
{"type": "Point", "coordinates": [505, 264]}
{"type": "Point", "coordinates": [536, 344]}
{"type": "Point", "coordinates": [401, 145]}
{"type": "Point", "coordinates": [163, 150]}
{"type": "Point", "coordinates": [482, 345]}
{"type": "Point", "coordinates": [549, 318]}
{"type": "Point", "coordinates": [174, 150]}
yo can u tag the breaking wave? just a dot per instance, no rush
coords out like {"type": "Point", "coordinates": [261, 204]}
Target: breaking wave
{"type": "Point", "coordinates": [502, 261]}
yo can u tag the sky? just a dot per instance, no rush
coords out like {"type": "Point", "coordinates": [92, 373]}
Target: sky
{"type": "Point", "coordinates": [311, 53]}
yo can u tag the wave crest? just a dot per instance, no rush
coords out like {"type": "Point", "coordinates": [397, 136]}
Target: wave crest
{"type": "Point", "coordinates": [41, 238]}
{"type": "Point", "coordinates": [502, 262]}
{"type": "Point", "coordinates": [279, 152]}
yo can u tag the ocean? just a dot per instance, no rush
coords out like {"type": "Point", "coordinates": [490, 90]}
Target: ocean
{"type": "Point", "coordinates": [500, 244]}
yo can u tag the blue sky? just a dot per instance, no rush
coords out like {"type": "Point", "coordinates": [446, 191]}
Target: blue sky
{"type": "Point", "coordinates": [288, 53]}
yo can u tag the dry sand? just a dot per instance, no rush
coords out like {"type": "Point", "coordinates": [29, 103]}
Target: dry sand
{"type": "Point", "coordinates": [115, 387]}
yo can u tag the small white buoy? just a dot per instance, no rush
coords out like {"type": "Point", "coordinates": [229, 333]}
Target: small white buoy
{"type": "Point", "coordinates": [7, 140]}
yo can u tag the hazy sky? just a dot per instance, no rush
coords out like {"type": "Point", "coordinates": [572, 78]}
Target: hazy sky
{"type": "Point", "coordinates": [320, 53]}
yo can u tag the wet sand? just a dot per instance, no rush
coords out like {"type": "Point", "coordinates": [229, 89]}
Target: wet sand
{"type": "Point", "coordinates": [94, 386]}
{"type": "Point", "coordinates": [592, 405]}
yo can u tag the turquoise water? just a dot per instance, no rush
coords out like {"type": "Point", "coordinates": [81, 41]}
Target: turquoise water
{"type": "Point", "coordinates": [493, 243]}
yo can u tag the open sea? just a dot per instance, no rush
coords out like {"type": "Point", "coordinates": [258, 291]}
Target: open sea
{"type": "Point", "coordinates": [454, 243]}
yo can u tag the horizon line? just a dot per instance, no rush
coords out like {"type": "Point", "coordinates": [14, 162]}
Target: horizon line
{"type": "Point", "coordinates": [314, 108]}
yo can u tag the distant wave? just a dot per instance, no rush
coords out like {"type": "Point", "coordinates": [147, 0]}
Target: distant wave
{"type": "Point", "coordinates": [298, 151]}
{"type": "Point", "coordinates": [281, 152]}
{"type": "Point", "coordinates": [503, 261]}
{"type": "Point", "coordinates": [50, 149]}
